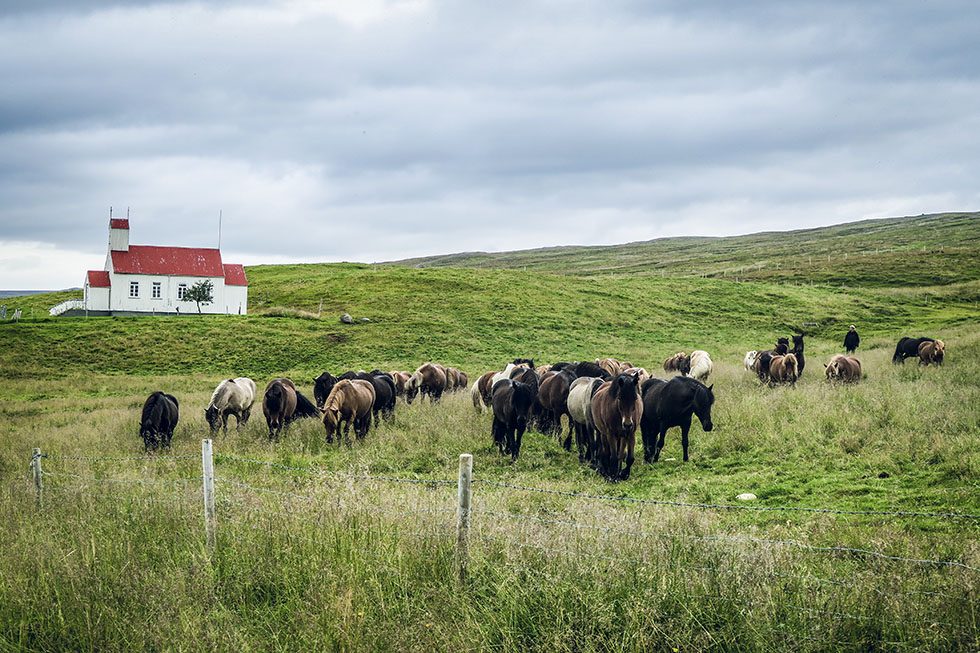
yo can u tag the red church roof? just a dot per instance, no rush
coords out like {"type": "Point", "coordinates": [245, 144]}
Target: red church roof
{"type": "Point", "coordinates": [119, 223]}
{"type": "Point", "coordinates": [98, 279]}
{"type": "Point", "coordinates": [235, 274]}
{"type": "Point", "coordinates": [182, 261]}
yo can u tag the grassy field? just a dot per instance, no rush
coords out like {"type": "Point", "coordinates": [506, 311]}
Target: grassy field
{"type": "Point", "coordinates": [352, 548]}
{"type": "Point", "coordinates": [915, 251]}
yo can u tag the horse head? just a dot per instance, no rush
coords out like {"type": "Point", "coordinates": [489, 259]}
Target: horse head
{"type": "Point", "coordinates": [625, 390]}
{"type": "Point", "coordinates": [704, 398]}
{"type": "Point", "coordinates": [213, 417]}
{"type": "Point", "coordinates": [412, 387]}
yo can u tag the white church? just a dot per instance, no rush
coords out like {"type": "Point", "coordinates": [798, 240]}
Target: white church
{"type": "Point", "coordinates": [153, 279]}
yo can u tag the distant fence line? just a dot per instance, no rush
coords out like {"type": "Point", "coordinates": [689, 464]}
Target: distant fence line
{"type": "Point", "coordinates": [463, 510]}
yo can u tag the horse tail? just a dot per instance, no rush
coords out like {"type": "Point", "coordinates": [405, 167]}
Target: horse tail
{"type": "Point", "coordinates": [304, 407]}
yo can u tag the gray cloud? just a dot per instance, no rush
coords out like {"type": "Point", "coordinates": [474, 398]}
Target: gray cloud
{"type": "Point", "coordinates": [374, 130]}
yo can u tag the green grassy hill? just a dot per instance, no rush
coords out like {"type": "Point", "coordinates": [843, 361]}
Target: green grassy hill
{"type": "Point", "coordinates": [915, 251]}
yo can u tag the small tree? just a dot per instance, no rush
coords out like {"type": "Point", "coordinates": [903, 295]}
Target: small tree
{"type": "Point", "coordinates": [201, 292]}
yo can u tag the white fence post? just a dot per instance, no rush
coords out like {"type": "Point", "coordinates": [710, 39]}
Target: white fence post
{"type": "Point", "coordinates": [465, 500]}
{"type": "Point", "coordinates": [38, 483]}
{"type": "Point", "coordinates": [207, 464]}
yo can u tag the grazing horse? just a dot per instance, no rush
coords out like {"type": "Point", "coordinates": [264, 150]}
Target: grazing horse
{"type": "Point", "coordinates": [400, 379]}
{"type": "Point", "coordinates": [158, 421]}
{"type": "Point", "coordinates": [667, 404]}
{"type": "Point", "coordinates": [231, 397]}
{"type": "Point", "coordinates": [384, 393]}
{"type": "Point", "coordinates": [429, 380]}
{"type": "Point", "coordinates": [322, 385]}
{"type": "Point", "coordinates": [580, 410]}
{"type": "Point", "coordinates": [932, 352]}
{"type": "Point", "coordinates": [452, 379]}
{"type": "Point", "coordinates": [798, 352]}
{"type": "Point", "coordinates": [750, 359]}
{"type": "Point", "coordinates": [851, 340]}
{"type": "Point", "coordinates": [278, 405]}
{"type": "Point", "coordinates": [553, 396]}
{"type": "Point", "coordinates": [511, 403]}
{"type": "Point", "coordinates": [679, 362]}
{"type": "Point", "coordinates": [350, 401]}
{"type": "Point", "coordinates": [701, 365]}
{"type": "Point", "coordinates": [782, 369]}
{"type": "Point", "coordinates": [583, 368]}
{"type": "Point", "coordinates": [616, 410]}
{"type": "Point", "coordinates": [908, 348]}
{"type": "Point", "coordinates": [843, 369]}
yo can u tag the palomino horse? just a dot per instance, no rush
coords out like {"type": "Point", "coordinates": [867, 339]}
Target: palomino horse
{"type": "Point", "coordinates": [782, 369]}
{"type": "Point", "coordinates": [350, 401]}
{"type": "Point", "coordinates": [580, 410]}
{"type": "Point", "coordinates": [511, 403]}
{"type": "Point", "coordinates": [231, 397]}
{"type": "Point", "coordinates": [667, 404]}
{"type": "Point", "coordinates": [843, 369]}
{"type": "Point", "coordinates": [616, 410]}
{"type": "Point", "coordinates": [932, 353]}
{"type": "Point", "coordinates": [429, 380]}
{"type": "Point", "coordinates": [158, 421]}
{"type": "Point", "coordinates": [278, 405]}
{"type": "Point", "coordinates": [701, 365]}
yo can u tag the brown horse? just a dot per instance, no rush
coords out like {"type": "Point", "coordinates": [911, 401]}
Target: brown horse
{"type": "Point", "coordinates": [553, 396]}
{"type": "Point", "coordinates": [278, 405]}
{"type": "Point", "coordinates": [783, 369]}
{"type": "Point", "coordinates": [932, 353]}
{"type": "Point", "coordinates": [349, 401]}
{"type": "Point", "coordinates": [616, 410]}
{"type": "Point", "coordinates": [612, 366]}
{"type": "Point", "coordinates": [679, 362]}
{"type": "Point", "coordinates": [400, 379]}
{"type": "Point", "coordinates": [429, 379]}
{"type": "Point", "coordinates": [843, 369]}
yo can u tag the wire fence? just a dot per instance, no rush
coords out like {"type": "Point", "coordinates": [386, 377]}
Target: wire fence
{"type": "Point", "coordinates": [505, 526]}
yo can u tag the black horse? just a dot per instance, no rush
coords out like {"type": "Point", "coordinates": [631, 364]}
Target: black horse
{"type": "Point", "coordinates": [798, 352]}
{"type": "Point", "coordinates": [159, 419]}
{"type": "Point", "coordinates": [322, 385]}
{"type": "Point", "coordinates": [511, 405]}
{"type": "Point", "coordinates": [908, 348]}
{"type": "Point", "coordinates": [667, 404]}
{"type": "Point", "coordinates": [851, 340]}
{"type": "Point", "coordinates": [384, 393]}
{"type": "Point", "coordinates": [582, 368]}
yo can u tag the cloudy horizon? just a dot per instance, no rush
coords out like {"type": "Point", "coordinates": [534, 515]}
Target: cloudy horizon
{"type": "Point", "coordinates": [378, 130]}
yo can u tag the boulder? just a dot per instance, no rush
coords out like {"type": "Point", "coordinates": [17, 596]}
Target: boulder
{"type": "Point", "coordinates": [346, 318]}
{"type": "Point", "coordinates": [746, 496]}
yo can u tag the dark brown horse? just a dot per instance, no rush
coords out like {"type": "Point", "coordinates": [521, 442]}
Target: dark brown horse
{"type": "Point", "coordinates": [429, 380]}
{"type": "Point", "coordinates": [616, 411]}
{"type": "Point", "coordinates": [553, 397]}
{"type": "Point", "coordinates": [669, 404]}
{"type": "Point", "coordinates": [158, 421]}
{"type": "Point", "coordinates": [278, 405]}
{"type": "Point", "coordinates": [512, 401]}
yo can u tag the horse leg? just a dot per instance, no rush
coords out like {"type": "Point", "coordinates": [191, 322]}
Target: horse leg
{"type": "Point", "coordinates": [649, 440]}
{"type": "Point", "coordinates": [516, 450]}
{"type": "Point", "coordinates": [660, 443]}
{"type": "Point", "coordinates": [685, 428]}
{"type": "Point", "coordinates": [629, 458]}
{"type": "Point", "coordinates": [568, 438]}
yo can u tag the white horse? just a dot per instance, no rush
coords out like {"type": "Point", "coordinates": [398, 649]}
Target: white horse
{"type": "Point", "coordinates": [231, 397]}
{"type": "Point", "coordinates": [579, 404]}
{"type": "Point", "coordinates": [701, 365]}
{"type": "Point", "coordinates": [749, 360]}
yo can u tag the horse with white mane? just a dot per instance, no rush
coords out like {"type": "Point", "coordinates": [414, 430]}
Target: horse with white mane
{"type": "Point", "coordinates": [701, 365]}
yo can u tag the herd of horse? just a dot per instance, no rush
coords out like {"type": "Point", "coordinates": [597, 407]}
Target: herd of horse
{"type": "Point", "coordinates": [603, 401]}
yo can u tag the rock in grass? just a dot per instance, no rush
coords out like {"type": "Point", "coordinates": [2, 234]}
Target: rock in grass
{"type": "Point", "coordinates": [346, 319]}
{"type": "Point", "coordinates": [746, 496]}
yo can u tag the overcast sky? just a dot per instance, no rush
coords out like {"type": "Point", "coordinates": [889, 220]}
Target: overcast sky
{"type": "Point", "coordinates": [371, 130]}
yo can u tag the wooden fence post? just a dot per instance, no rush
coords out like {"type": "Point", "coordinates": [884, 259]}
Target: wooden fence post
{"type": "Point", "coordinates": [38, 483]}
{"type": "Point", "coordinates": [465, 500]}
{"type": "Point", "coordinates": [207, 464]}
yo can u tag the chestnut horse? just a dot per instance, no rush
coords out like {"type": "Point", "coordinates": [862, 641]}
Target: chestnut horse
{"type": "Point", "coordinates": [616, 410]}
{"type": "Point", "coordinates": [350, 401]}
{"type": "Point", "coordinates": [783, 369]}
{"type": "Point", "coordinates": [932, 352]}
{"type": "Point", "coordinates": [843, 369]}
{"type": "Point", "coordinates": [429, 379]}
